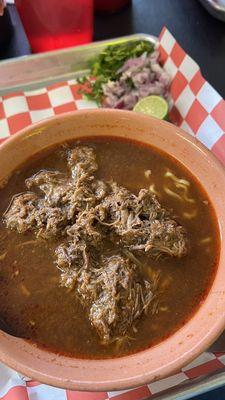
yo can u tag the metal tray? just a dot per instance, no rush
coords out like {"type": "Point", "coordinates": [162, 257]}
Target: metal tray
{"type": "Point", "coordinates": [215, 8]}
{"type": "Point", "coordinates": [36, 71]}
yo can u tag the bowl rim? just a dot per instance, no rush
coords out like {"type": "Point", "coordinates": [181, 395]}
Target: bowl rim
{"type": "Point", "coordinates": [188, 353]}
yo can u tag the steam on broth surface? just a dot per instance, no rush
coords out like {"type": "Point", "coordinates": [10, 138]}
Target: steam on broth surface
{"type": "Point", "coordinates": [107, 248]}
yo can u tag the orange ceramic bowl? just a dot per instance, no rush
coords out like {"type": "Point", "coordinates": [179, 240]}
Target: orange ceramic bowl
{"type": "Point", "coordinates": [205, 325]}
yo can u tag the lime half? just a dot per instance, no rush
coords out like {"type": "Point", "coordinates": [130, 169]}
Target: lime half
{"type": "Point", "coordinates": [156, 106]}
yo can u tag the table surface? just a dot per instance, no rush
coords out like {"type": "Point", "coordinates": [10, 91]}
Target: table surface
{"type": "Point", "coordinates": [201, 35]}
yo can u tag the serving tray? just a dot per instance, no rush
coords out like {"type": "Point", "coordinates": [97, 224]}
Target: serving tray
{"type": "Point", "coordinates": [215, 8]}
{"type": "Point", "coordinates": [41, 70]}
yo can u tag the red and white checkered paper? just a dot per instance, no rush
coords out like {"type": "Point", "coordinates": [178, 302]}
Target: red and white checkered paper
{"type": "Point", "coordinates": [200, 111]}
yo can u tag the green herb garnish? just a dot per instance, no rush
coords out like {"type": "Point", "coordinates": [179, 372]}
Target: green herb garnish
{"type": "Point", "coordinates": [105, 66]}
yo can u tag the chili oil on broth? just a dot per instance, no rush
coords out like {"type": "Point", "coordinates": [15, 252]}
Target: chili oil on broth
{"type": "Point", "coordinates": [34, 304]}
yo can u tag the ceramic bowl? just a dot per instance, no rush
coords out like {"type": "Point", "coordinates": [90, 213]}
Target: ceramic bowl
{"type": "Point", "coordinates": [204, 326]}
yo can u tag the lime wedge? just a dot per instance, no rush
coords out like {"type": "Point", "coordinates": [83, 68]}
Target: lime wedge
{"type": "Point", "coordinates": [156, 106]}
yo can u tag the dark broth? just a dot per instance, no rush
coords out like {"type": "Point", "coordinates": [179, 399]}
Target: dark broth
{"type": "Point", "coordinates": [33, 303]}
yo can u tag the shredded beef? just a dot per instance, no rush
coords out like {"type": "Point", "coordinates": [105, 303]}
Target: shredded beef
{"type": "Point", "coordinates": [83, 213]}
{"type": "Point", "coordinates": [28, 212]}
{"type": "Point", "coordinates": [56, 188]}
{"type": "Point", "coordinates": [142, 223]}
{"type": "Point", "coordinates": [20, 213]}
{"type": "Point", "coordinates": [62, 197]}
{"type": "Point", "coordinates": [82, 162]}
{"type": "Point", "coordinates": [118, 297]}
{"type": "Point", "coordinates": [113, 291]}
{"type": "Point", "coordinates": [72, 255]}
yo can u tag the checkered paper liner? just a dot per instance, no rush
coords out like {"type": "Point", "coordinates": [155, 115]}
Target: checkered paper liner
{"type": "Point", "coordinates": [199, 110]}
